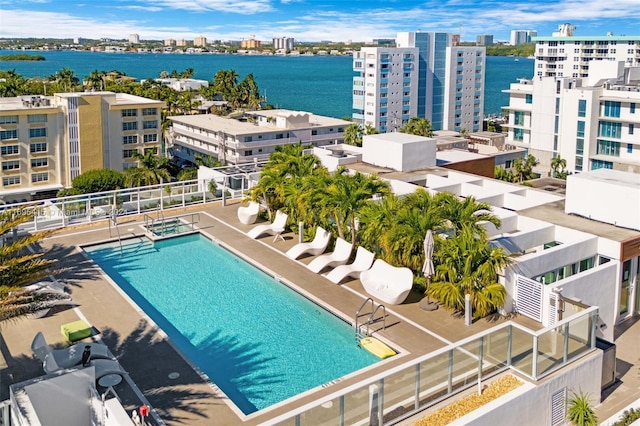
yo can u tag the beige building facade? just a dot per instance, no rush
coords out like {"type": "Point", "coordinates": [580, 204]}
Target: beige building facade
{"type": "Point", "coordinates": [45, 142]}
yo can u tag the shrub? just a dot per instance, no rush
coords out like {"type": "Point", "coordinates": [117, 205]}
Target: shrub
{"type": "Point", "coordinates": [580, 412]}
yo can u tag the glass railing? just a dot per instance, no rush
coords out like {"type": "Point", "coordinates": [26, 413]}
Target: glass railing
{"type": "Point", "coordinates": [404, 390]}
{"type": "Point", "coordinates": [61, 212]}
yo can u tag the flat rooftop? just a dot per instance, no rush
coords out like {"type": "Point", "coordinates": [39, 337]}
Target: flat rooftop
{"type": "Point", "coordinates": [236, 127]}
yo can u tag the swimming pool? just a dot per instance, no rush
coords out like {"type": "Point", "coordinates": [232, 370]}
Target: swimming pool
{"type": "Point", "coordinates": [259, 341]}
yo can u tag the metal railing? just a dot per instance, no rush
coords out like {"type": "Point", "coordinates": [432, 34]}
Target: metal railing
{"type": "Point", "coordinates": [405, 390]}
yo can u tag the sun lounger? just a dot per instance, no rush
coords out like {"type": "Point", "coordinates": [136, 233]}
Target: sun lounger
{"type": "Point", "coordinates": [340, 256]}
{"type": "Point", "coordinates": [276, 228]}
{"type": "Point", "coordinates": [364, 259]}
{"type": "Point", "coordinates": [386, 282]}
{"type": "Point", "coordinates": [67, 357]}
{"type": "Point", "coordinates": [314, 248]}
{"type": "Point", "coordinates": [102, 366]}
{"type": "Point", "coordinates": [248, 214]}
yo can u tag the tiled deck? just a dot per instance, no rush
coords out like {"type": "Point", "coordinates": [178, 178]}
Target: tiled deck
{"type": "Point", "coordinates": [150, 358]}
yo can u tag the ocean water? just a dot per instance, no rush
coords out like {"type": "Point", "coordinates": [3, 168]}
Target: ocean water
{"type": "Point", "coordinates": [257, 340]}
{"type": "Point", "coordinates": [318, 84]}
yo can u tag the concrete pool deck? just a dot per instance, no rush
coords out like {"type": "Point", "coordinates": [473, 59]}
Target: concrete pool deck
{"type": "Point", "coordinates": [150, 359]}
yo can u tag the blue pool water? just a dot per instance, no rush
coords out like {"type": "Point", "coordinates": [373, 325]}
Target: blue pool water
{"type": "Point", "coordinates": [257, 340]}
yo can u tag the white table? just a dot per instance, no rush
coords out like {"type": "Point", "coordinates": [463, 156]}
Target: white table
{"type": "Point", "coordinates": [109, 381]}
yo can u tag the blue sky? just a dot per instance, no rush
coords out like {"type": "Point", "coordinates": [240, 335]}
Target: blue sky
{"type": "Point", "coordinates": [309, 20]}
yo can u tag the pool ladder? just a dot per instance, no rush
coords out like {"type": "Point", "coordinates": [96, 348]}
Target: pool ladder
{"type": "Point", "coordinates": [370, 315]}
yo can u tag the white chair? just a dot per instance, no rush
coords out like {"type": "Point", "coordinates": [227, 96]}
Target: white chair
{"type": "Point", "coordinates": [248, 214]}
{"type": "Point", "coordinates": [364, 259]}
{"type": "Point", "coordinates": [314, 248]}
{"type": "Point", "coordinates": [67, 357]}
{"type": "Point", "coordinates": [102, 367]}
{"type": "Point", "coordinates": [340, 256]}
{"type": "Point", "coordinates": [386, 282]}
{"type": "Point", "coordinates": [276, 228]}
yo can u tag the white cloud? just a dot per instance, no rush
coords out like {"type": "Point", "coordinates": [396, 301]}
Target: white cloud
{"type": "Point", "coordinates": [242, 7]}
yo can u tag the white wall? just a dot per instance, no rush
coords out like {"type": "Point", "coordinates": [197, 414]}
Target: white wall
{"type": "Point", "coordinates": [399, 151]}
{"type": "Point", "coordinates": [533, 407]}
{"type": "Point", "coordinates": [610, 196]}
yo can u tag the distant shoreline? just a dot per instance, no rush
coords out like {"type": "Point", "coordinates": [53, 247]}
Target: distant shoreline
{"type": "Point", "coordinates": [22, 57]}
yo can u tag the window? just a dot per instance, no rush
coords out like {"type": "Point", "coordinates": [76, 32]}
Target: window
{"type": "Point", "coordinates": [518, 135]}
{"type": "Point", "coordinates": [314, 132]}
{"type": "Point", "coordinates": [149, 111]}
{"type": "Point", "coordinates": [582, 108]}
{"type": "Point", "coordinates": [629, 148]}
{"type": "Point", "coordinates": [578, 164]}
{"type": "Point", "coordinates": [556, 124]}
{"type": "Point", "coordinates": [8, 134]}
{"type": "Point", "coordinates": [12, 119]}
{"type": "Point", "coordinates": [580, 146]}
{"type": "Point", "coordinates": [129, 125]}
{"type": "Point", "coordinates": [611, 109]}
{"type": "Point", "coordinates": [39, 132]}
{"type": "Point", "coordinates": [39, 162]}
{"type": "Point", "coordinates": [580, 132]}
{"type": "Point", "coordinates": [610, 130]}
{"type": "Point", "coordinates": [631, 128]}
{"type": "Point", "coordinates": [279, 136]}
{"type": "Point", "coordinates": [154, 150]}
{"type": "Point", "coordinates": [153, 137]}
{"type": "Point", "coordinates": [151, 124]}
{"type": "Point", "coordinates": [9, 149]}
{"type": "Point", "coordinates": [557, 106]}
{"type": "Point", "coordinates": [608, 148]}
{"type": "Point", "coordinates": [632, 108]}
{"type": "Point", "coordinates": [128, 140]}
{"type": "Point", "coordinates": [248, 153]}
{"type": "Point", "coordinates": [11, 180]}
{"type": "Point", "coordinates": [37, 118]}
{"type": "Point", "coordinates": [128, 153]}
{"type": "Point", "coordinates": [129, 112]}
{"type": "Point", "coordinates": [11, 165]}
{"type": "Point", "coordinates": [519, 118]}
{"type": "Point", "coordinates": [40, 177]}
{"type": "Point", "coordinates": [38, 147]}
{"type": "Point", "coordinates": [599, 164]}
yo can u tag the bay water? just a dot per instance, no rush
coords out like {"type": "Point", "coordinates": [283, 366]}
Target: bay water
{"type": "Point", "coordinates": [318, 84]}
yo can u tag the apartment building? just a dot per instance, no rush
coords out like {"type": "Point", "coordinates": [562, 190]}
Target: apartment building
{"type": "Point", "coordinates": [426, 75]}
{"type": "Point", "coordinates": [251, 43]}
{"type": "Point", "coordinates": [45, 142]}
{"type": "Point", "coordinates": [590, 122]}
{"type": "Point", "coordinates": [251, 137]}
{"type": "Point", "coordinates": [200, 41]}
{"type": "Point", "coordinates": [566, 55]}
{"type": "Point", "coordinates": [522, 36]}
{"type": "Point", "coordinates": [283, 43]}
{"type": "Point", "coordinates": [134, 39]}
{"type": "Point", "coordinates": [484, 40]}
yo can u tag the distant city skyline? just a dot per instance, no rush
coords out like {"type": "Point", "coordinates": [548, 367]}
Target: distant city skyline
{"type": "Point", "coordinates": [307, 20]}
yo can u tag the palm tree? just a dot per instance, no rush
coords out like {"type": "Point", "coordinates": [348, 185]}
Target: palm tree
{"type": "Point", "coordinates": [346, 195]}
{"type": "Point", "coordinates": [418, 126]}
{"type": "Point", "coordinates": [11, 84]}
{"type": "Point", "coordinates": [524, 168]}
{"type": "Point", "coordinates": [353, 134]}
{"type": "Point", "coordinates": [558, 166]}
{"type": "Point", "coordinates": [467, 212]}
{"type": "Point", "coordinates": [66, 78]}
{"type": "Point", "coordinates": [467, 264]}
{"type": "Point", "coordinates": [188, 73]}
{"type": "Point", "coordinates": [151, 171]}
{"type": "Point", "coordinates": [95, 79]}
{"type": "Point", "coordinates": [19, 268]}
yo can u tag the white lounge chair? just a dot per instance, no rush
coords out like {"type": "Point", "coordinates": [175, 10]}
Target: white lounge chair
{"type": "Point", "coordinates": [248, 214]}
{"type": "Point", "coordinates": [67, 357]}
{"type": "Point", "coordinates": [386, 282]}
{"type": "Point", "coordinates": [276, 228]}
{"type": "Point", "coordinates": [339, 256]}
{"type": "Point", "coordinates": [314, 248]}
{"type": "Point", "coordinates": [362, 262]}
{"type": "Point", "coordinates": [102, 366]}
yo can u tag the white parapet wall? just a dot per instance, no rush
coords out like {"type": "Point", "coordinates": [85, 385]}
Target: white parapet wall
{"type": "Point", "coordinates": [609, 196]}
{"type": "Point", "coordinates": [399, 151]}
{"type": "Point", "coordinates": [532, 405]}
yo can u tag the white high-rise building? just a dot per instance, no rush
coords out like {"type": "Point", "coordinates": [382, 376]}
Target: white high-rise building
{"type": "Point", "coordinates": [200, 41]}
{"type": "Point", "coordinates": [427, 76]}
{"type": "Point", "coordinates": [283, 43]}
{"type": "Point", "coordinates": [570, 56]}
{"type": "Point", "coordinates": [134, 39]}
{"type": "Point", "coordinates": [522, 36]}
{"type": "Point", "coordinates": [590, 122]}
